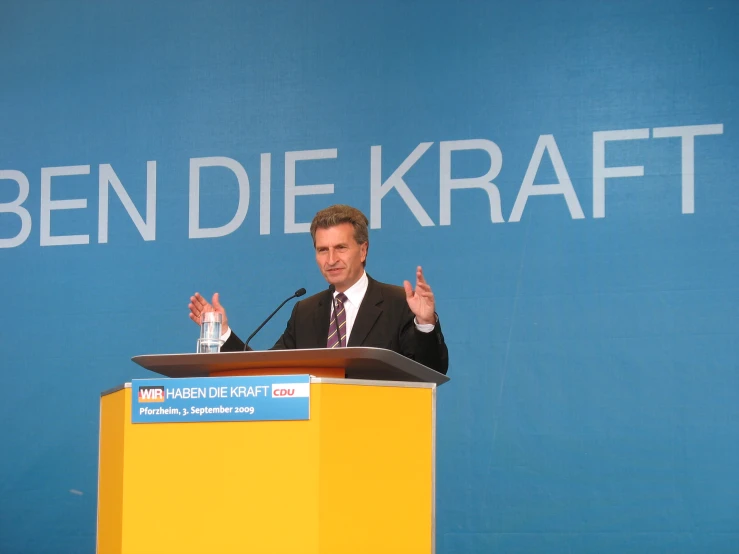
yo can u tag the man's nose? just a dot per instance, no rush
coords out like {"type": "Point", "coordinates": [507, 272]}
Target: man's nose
{"type": "Point", "coordinates": [332, 258]}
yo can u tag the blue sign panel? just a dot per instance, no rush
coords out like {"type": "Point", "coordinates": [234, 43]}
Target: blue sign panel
{"type": "Point", "coordinates": [283, 397]}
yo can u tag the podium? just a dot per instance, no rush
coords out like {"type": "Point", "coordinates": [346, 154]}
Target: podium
{"type": "Point", "coordinates": [357, 477]}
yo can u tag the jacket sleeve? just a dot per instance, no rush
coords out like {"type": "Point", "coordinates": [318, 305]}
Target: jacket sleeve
{"type": "Point", "coordinates": [286, 341]}
{"type": "Point", "coordinates": [428, 349]}
{"type": "Point", "coordinates": [233, 344]}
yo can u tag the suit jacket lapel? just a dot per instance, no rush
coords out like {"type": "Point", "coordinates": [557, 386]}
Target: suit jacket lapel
{"type": "Point", "coordinates": [369, 311]}
{"type": "Point", "coordinates": [321, 319]}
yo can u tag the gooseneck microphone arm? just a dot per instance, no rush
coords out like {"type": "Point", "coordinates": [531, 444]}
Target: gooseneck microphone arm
{"type": "Point", "coordinates": [298, 293]}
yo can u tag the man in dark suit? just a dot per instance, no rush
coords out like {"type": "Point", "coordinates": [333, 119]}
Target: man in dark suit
{"type": "Point", "coordinates": [368, 313]}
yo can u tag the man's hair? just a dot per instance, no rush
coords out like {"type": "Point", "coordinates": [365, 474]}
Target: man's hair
{"type": "Point", "coordinates": [338, 214]}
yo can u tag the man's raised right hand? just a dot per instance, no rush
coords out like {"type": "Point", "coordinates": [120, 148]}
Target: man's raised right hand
{"type": "Point", "coordinates": [198, 305]}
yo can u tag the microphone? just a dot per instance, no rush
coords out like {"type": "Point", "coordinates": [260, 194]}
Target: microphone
{"type": "Point", "coordinates": [332, 289]}
{"type": "Point", "coordinates": [298, 293]}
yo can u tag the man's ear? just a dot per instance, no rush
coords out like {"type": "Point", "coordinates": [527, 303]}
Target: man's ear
{"type": "Point", "coordinates": [363, 248]}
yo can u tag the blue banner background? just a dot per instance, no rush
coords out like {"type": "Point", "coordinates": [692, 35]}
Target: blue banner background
{"type": "Point", "coordinates": [595, 389]}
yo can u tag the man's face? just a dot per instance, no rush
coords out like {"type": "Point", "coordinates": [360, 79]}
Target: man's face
{"type": "Point", "coordinates": [339, 256]}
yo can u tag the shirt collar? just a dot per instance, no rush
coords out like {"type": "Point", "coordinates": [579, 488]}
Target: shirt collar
{"type": "Point", "coordinates": [356, 292]}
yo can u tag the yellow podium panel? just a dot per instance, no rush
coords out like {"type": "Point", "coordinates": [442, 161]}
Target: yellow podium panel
{"type": "Point", "coordinates": [358, 477]}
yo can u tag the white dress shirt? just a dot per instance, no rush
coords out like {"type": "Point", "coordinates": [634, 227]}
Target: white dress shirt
{"type": "Point", "coordinates": [355, 295]}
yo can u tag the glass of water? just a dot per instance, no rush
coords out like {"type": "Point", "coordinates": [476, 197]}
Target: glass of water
{"type": "Point", "coordinates": [210, 332]}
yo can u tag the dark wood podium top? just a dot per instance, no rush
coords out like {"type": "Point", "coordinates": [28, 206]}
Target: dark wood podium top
{"type": "Point", "coordinates": [359, 363]}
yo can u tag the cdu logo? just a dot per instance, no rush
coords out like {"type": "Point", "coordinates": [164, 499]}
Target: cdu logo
{"type": "Point", "coordinates": [291, 390]}
{"type": "Point", "coordinates": [151, 394]}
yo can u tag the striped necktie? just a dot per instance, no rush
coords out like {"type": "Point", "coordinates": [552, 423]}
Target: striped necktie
{"type": "Point", "coordinates": [338, 339]}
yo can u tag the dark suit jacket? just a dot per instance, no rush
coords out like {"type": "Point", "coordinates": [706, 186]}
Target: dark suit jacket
{"type": "Point", "coordinates": [384, 320]}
